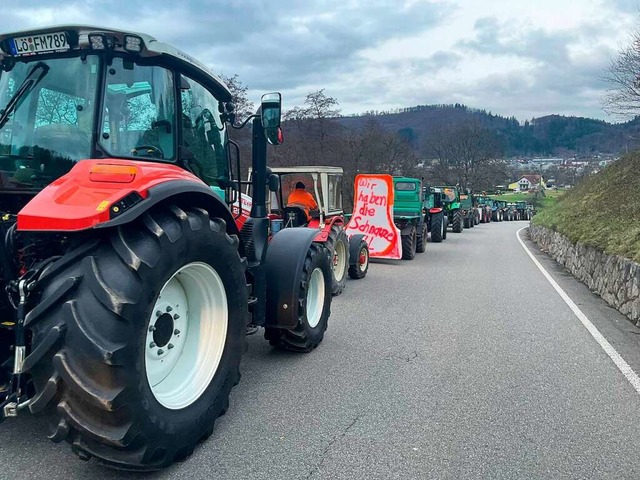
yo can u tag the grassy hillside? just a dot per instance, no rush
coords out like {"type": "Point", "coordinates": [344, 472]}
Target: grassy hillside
{"type": "Point", "coordinates": [602, 211]}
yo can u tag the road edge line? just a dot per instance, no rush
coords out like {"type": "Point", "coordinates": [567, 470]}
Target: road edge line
{"type": "Point", "coordinates": [622, 365]}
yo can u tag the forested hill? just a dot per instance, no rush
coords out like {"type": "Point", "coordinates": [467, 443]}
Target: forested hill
{"type": "Point", "coordinates": [549, 135]}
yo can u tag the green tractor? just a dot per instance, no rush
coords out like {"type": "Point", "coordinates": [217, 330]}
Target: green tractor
{"type": "Point", "coordinates": [467, 205]}
{"type": "Point", "coordinates": [407, 215]}
{"type": "Point", "coordinates": [522, 211]}
{"type": "Point", "coordinates": [453, 208]}
{"type": "Point", "coordinates": [435, 213]}
{"type": "Point", "coordinates": [511, 212]}
{"type": "Point", "coordinates": [499, 214]}
{"type": "Point", "coordinates": [485, 206]}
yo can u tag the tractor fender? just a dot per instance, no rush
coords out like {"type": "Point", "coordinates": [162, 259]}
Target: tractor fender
{"type": "Point", "coordinates": [183, 193]}
{"type": "Point", "coordinates": [435, 210]}
{"type": "Point", "coordinates": [285, 259]}
{"type": "Point", "coordinates": [110, 192]}
{"type": "Point", "coordinates": [354, 248]}
{"type": "Point", "coordinates": [323, 235]}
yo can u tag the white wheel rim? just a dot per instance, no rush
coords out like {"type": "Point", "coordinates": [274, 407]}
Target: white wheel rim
{"type": "Point", "coordinates": [442, 228]}
{"type": "Point", "coordinates": [363, 265]}
{"type": "Point", "coordinates": [193, 303]}
{"type": "Point", "coordinates": [315, 297]}
{"type": "Point", "coordinates": [339, 261]}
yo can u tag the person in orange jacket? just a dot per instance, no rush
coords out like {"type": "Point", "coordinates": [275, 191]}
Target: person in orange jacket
{"type": "Point", "coordinates": [303, 199]}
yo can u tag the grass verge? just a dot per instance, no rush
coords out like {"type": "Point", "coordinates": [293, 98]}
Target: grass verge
{"type": "Point", "coordinates": [602, 211]}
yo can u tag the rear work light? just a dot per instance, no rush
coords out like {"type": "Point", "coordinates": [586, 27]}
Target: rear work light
{"type": "Point", "coordinates": [112, 173]}
{"type": "Point", "coordinates": [97, 41]}
{"type": "Point", "coordinates": [133, 43]}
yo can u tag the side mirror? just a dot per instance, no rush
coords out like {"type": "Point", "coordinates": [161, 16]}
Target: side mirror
{"type": "Point", "coordinates": [271, 112]}
{"type": "Point", "coordinates": [273, 182]}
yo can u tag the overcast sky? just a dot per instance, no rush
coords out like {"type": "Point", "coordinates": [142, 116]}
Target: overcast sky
{"type": "Point", "coordinates": [523, 58]}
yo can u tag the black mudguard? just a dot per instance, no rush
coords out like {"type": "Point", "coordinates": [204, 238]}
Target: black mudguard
{"type": "Point", "coordinates": [285, 258]}
{"type": "Point", "coordinates": [354, 248]}
{"type": "Point", "coordinates": [406, 230]}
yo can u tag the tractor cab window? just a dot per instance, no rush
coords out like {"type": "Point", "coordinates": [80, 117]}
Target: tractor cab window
{"type": "Point", "coordinates": [450, 194]}
{"type": "Point", "coordinates": [139, 115]}
{"type": "Point", "coordinates": [335, 193]}
{"type": "Point", "coordinates": [47, 122]}
{"type": "Point", "coordinates": [203, 133]}
{"type": "Point", "coordinates": [406, 187]}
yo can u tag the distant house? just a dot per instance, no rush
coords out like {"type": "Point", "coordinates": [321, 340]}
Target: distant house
{"type": "Point", "coordinates": [527, 182]}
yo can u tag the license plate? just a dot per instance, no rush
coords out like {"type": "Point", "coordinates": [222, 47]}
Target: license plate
{"type": "Point", "coordinates": [45, 42]}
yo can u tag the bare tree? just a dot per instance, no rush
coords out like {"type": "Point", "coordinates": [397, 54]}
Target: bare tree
{"type": "Point", "coordinates": [244, 107]}
{"type": "Point", "coordinates": [467, 154]}
{"type": "Point", "coordinates": [623, 76]}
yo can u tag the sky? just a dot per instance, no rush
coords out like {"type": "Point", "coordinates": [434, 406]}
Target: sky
{"type": "Point", "coordinates": [522, 58]}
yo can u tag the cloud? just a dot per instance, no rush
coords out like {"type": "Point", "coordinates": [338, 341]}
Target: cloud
{"type": "Point", "coordinates": [380, 54]}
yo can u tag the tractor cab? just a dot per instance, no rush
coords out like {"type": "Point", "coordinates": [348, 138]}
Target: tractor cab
{"type": "Point", "coordinates": [324, 184]}
{"type": "Point", "coordinates": [74, 93]}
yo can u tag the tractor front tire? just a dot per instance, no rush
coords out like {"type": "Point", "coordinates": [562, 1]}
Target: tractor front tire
{"type": "Point", "coordinates": [409, 245]}
{"type": "Point", "coordinates": [421, 240]}
{"type": "Point", "coordinates": [437, 227]}
{"type": "Point", "coordinates": [338, 247]}
{"type": "Point", "coordinates": [457, 224]}
{"type": "Point", "coordinates": [314, 300]}
{"type": "Point", "coordinates": [138, 337]}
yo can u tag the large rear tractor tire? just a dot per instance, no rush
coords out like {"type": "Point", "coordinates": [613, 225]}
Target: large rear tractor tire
{"type": "Point", "coordinates": [314, 300]}
{"type": "Point", "coordinates": [457, 226]}
{"type": "Point", "coordinates": [437, 227]}
{"type": "Point", "coordinates": [466, 222]}
{"type": "Point", "coordinates": [421, 240]}
{"type": "Point", "coordinates": [445, 227]}
{"type": "Point", "coordinates": [359, 269]}
{"type": "Point", "coordinates": [338, 247]}
{"type": "Point", "coordinates": [409, 245]}
{"type": "Point", "coordinates": [137, 339]}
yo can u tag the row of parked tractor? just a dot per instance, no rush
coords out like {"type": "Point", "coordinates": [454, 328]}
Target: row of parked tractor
{"type": "Point", "coordinates": [420, 212]}
{"type": "Point", "coordinates": [420, 209]}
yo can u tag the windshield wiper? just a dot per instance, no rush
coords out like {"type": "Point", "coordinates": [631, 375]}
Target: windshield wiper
{"type": "Point", "coordinates": [36, 74]}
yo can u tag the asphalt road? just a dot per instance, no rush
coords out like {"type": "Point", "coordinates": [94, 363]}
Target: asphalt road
{"type": "Point", "coordinates": [463, 363]}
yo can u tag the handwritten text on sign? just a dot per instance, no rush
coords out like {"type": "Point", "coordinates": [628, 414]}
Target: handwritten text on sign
{"type": "Point", "coordinates": [373, 216]}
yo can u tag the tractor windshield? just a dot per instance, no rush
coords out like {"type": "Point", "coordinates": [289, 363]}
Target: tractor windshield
{"type": "Point", "coordinates": [55, 112]}
{"type": "Point", "coordinates": [46, 112]}
{"type": "Point", "coordinates": [450, 194]}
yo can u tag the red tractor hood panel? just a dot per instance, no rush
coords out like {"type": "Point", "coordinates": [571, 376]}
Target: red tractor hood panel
{"type": "Point", "coordinates": [83, 197]}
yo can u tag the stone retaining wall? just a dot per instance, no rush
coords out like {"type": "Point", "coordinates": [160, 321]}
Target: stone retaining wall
{"type": "Point", "coordinates": [615, 279]}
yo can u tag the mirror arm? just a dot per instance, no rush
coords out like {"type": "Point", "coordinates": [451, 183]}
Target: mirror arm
{"type": "Point", "coordinates": [242, 125]}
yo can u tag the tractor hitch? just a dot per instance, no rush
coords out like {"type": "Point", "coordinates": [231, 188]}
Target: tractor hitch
{"type": "Point", "coordinates": [16, 398]}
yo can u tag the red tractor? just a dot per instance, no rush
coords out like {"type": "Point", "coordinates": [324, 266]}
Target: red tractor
{"type": "Point", "coordinates": [129, 285]}
{"type": "Point", "coordinates": [349, 256]}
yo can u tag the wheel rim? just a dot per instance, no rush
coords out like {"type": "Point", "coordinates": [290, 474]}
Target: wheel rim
{"type": "Point", "coordinates": [442, 228]}
{"type": "Point", "coordinates": [363, 260]}
{"type": "Point", "coordinates": [186, 335]}
{"type": "Point", "coordinates": [315, 297]}
{"type": "Point", "coordinates": [339, 261]}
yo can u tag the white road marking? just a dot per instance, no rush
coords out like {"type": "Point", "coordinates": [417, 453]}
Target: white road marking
{"type": "Point", "coordinates": [623, 366]}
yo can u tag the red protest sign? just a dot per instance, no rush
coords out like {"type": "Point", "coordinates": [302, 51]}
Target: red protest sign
{"type": "Point", "coordinates": [373, 216]}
